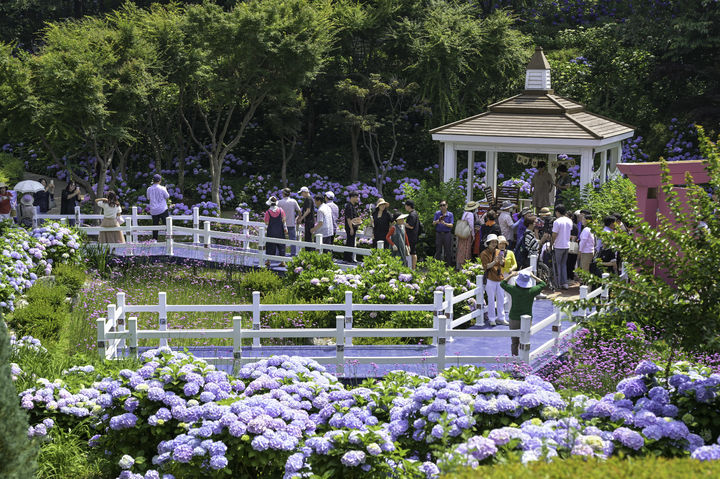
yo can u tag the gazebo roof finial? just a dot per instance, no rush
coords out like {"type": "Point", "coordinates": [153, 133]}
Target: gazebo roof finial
{"type": "Point", "coordinates": [537, 76]}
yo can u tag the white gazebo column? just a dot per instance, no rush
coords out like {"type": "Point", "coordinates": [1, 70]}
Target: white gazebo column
{"type": "Point", "coordinates": [491, 170]}
{"type": "Point", "coordinates": [586, 167]}
{"type": "Point", "coordinates": [603, 166]}
{"type": "Point", "coordinates": [449, 163]}
{"type": "Point", "coordinates": [615, 157]}
{"type": "Point", "coordinates": [470, 175]}
{"type": "Point", "coordinates": [552, 159]}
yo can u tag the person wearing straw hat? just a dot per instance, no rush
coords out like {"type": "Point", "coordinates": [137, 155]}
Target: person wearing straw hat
{"type": "Point", "coordinates": [506, 222]}
{"type": "Point", "coordinates": [276, 228]}
{"type": "Point", "coordinates": [398, 240]}
{"type": "Point", "coordinates": [111, 210]}
{"type": "Point", "coordinates": [443, 222]}
{"type": "Point", "coordinates": [380, 221]}
{"type": "Point", "coordinates": [493, 260]}
{"type": "Point", "coordinates": [5, 202]}
{"type": "Point", "coordinates": [464, 245]}
{"type": "Point", "coordinates": [27, 211]}
{"type": "Point", "coordinates": [522, 295]}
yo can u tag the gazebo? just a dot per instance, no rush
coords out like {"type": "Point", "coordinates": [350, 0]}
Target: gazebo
{"type": "Point", "coordinates": [534, 122]}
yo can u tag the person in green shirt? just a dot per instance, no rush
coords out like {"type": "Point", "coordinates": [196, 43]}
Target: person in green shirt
{"type": "Point", "coordinates": [523, 295]}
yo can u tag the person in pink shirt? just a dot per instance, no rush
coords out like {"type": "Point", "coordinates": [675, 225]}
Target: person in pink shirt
{"type": "Point", "coordinates": [587, 244]}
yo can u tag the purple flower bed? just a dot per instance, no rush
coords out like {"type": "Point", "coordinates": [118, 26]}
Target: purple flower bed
{"type": "Point", "coordinates": [285, 416]}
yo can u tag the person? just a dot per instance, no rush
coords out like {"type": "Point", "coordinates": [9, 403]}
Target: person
{"type": "Point", "coordinates": [380, 221]}
{"type": "Point", "coordinates": [291, 209]}
{"type": "Point", "coordinates": [561, 235]}
{"type": "Point", "coordinates": [587, 244]}
{"type": "Point", "coordinates": [158, 197]}
{"type": "Point", "coordinates": [352, 221]}
{"type": "Point", "coordinates": [412, 228]}
{"type": "Point", "coordinates": [464, 245]}
{"type": "Point", "coordinates": [5, 202]}
{"type": "Point", "coordinates": [529, 245]}
{"type": "Point", "coordinates": [307, 214]}
{"type": "Point", "coordinates": [522, 295]}
{"type": "Point", "coordinates": [111, 210]}
{"type": "Point", "coordinates": [609, 258]}
{"type": "Point", "coordinates": [443, 222]}
{"type": "Point", "coordinates": [27, 211]}
{"type": "Point", "coordinates": [490, 227]}
{"type": "Point", "coordinates": [69, 199]}
{"type": "Point", "coordinates": [573, 255]}
{"type": "Point", "coordinates": [506, 222]}
{"type": "Point", "coordinates": [42, 197]}
{"type": "Point", "coordinates": [509, 266]}
{"type": "Point", "coordinates": [519, 228]}
{"type": "Point", "coordinates": [324, 225]}
{"type": "Point", "coordinates": [562, 183]}
{"type": "Point", "coordinates": [541, 185]}
{"type": "Point", "coordinates": [493, 261]}
{"type": "Point", "coordinates": [544, 226]}
{"type": "Point", "coordinates": [275, 221]}
{"type": "Point", "coordinates": [397, 239]}
{"type": "Point", "coordinates": [330, 201]}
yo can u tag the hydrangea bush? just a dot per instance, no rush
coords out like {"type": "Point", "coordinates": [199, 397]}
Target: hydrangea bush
{"type": "Point", "coordinates": [22, 260]}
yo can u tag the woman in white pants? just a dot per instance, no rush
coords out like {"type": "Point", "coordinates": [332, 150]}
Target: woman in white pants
{"type": "Point", "coordinates": [493, 260]}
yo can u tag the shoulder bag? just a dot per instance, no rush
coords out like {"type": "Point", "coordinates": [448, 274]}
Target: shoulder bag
{"type": "Point", "coordinates": [462, 229]}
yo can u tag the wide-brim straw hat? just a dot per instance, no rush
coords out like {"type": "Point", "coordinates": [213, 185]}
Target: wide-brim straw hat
{"type": "Point", "coordinates": [380, 202]}
{"type": "Point", "coordinates": [304, 189]}
{"type": "Point", "coordinates": [271, 201]}
{"type": "Point", "coordinates": [501, 239]}
{"type": "Point", "coordinates": [402, 217]}
{"type": "Point", "coordinates": [472, 206]}
{"type": "Point", "coordinates": [507, 206]}
{"type": "Point", "coordinates": [523, 280]}
{"type": "Point", "coordinates": [545, 212]}
{"type": "Point", "coordinates": [490, 237]}
{"type": "Point", "coordinates": [27, 200]}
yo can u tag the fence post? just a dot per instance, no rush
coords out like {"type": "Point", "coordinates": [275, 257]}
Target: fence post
{"type": "Point", "coordinates": [237, 341]}
{"type": "Point", "coordinates": [169, 236]}
{"type": "Point", "coordinates": [449, 298]}
{"type": "Point", "coordinates": [605, 287]}
{"type": "Point", "coordinates": [533, 263]}
{"type": "Point", "coordinates": [132, 329]}
{"type": "Point", "coordinates": [120, 302]}
{"type": "Point", "coordinates": [256, 316]}
{"type": "Point", "coordinates": [437, 312]}
{"type": "Point", "coordinates": [100, 325]}
{"type": "Point", "coordinates": [479, 300]}
{"type": "Point", "coordinates": [162, 316]}
{"type": "Point", "coordinates": [348, 316]}
{"type": "Point", "coordinates": [196, 224]}
{"type": "Point", "coordinates": [318, 242]}
{"type": "Point", "coordinates": [261, 246]}
{"type": "Point", "coordinates": [206, 239]}
{"type": "Point", "coordinates": [583, 295]}
{"type": "Point", "coordinates": [77, 216]}
{"type": "Point", "coordinates": [246, 230]}
{"type": "Point", "coordinates": [63, 221]}
{"type": "Point", "coordinates": [442, 331]}
{"type": "Point", "coordinates": [380, 244]}
{"type": "Point", "coordinates": [339, 345]}
{"type": "Point", "coordinates": [134, 224]}
{"type": "Point", "coordinates": [113, 329]}
{"type": "Point", "coordinates": [524, 347]}
{"type": "Point", "coordinates": [556, 327]}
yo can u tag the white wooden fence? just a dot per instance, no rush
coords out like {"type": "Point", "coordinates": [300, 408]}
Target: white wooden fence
{"type": "Point", "coordinates": [248, 242]}
{"type": "Point", "coordinates": [113, 336]}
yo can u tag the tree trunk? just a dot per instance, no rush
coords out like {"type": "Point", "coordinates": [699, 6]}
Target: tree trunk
{"type": "Point", "coordinates": [283, 167]}
{"type": "Point", "coordinates": [215, 172]}
{"type": "Point", "coordinates": [181, 161]}
{"type": "Point", "coordinates": [355, 165]}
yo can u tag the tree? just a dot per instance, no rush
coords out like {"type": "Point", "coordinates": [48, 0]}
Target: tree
{"type": "Point", "coordinates": [238, 59]}
{"type": "Point", "coordinates": [285, 120]}
{"type": "Point", "coordinates": [16, 449]}
{"type": "Point", "coordinates": [672, 268]}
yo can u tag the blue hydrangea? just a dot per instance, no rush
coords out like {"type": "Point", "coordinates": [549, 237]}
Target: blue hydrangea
{"type": "Point", "coordinates": [353, 458]}
{"type": "Point", "coordinates": [628, 438]}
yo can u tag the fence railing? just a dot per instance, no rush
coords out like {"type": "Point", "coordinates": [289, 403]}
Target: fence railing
{"type": "Point", "coordinates": [249, 242]}
{"type": "Point", "coordinates": [119, 329]}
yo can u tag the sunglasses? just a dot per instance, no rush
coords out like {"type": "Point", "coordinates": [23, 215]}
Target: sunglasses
{"type": "Point", "coordinates": [443, 204]}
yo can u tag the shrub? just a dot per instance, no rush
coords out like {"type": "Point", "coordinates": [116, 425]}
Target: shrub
{"type": "Point", "coordinates": [41, 319]}
{"type": "Point", "coordinates": [12, 169]}
{"type": "Point", "coordinates": [261, 280]}
{"type": "Point", "coordinates": [615, 196]}
{"type": "Point", "coordinates": [62, 243]}
{"type": "Point", "coordinates": [308, 261]}
{"type": "Point", "coordinates": [51, 294]}
{"type": "Point", "coordinates": [17, 452]}
{"type": "Point", "coordinates": [614, 468]}
{"type": "Point", "coordinates": [71, 277]}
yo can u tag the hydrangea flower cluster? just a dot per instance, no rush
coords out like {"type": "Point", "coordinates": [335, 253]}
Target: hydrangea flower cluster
{"type": "Point", "coordinates": [61, 244]}
{"type": "Point", "coordinates": [22, 259]}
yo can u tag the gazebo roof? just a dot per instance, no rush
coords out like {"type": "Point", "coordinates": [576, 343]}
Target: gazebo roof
{"type": "Point", "coordinates": [533, 115]}
{"type": "Point", "coordinates": [537, 113]}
